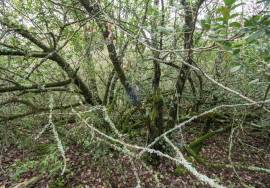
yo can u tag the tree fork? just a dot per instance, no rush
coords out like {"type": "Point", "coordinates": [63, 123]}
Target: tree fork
{"type": "Point", "coordinates": [94, 10]}
{"type": "Point", "coordinates": [53, 55]}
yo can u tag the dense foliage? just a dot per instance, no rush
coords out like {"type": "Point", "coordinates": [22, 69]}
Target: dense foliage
{"type": "Point", "coordinates": [155, 84]}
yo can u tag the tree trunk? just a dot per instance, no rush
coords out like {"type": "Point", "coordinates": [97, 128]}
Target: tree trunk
{"type": "Point", "coordinates": [94, 10]}
{"type": "Point", "coordinates": [190, 18]}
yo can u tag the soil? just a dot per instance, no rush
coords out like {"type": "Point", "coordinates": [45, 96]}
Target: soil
{"type": "Point", "coordinates": [115, 170]}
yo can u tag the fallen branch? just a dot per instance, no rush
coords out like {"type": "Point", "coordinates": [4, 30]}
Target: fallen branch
{"type": "Point", "coordinates": [28, 182]}
{"type": "Point", "coordinates": [199, 141]}
{"type": "Point", "coordinates": [225, 87]}
{"type": "Point", "coordinates": [181, 125]}
{"type": "Point", "coordinates": [191, 169]}
{"type": "Point", "coordinates": [182, 161]}
{"type": "Point", "coordinates": [238, 167]}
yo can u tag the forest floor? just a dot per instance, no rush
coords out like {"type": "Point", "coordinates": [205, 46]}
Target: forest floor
{"type": "Point", "coordinates": [116, 171]}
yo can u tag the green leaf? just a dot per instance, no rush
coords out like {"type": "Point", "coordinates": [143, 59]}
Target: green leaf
{"type": "Point", "coordinates": [234, 15]}
{"type": "Point", "coordinates": [236, 51]}
{"type": "Point", "coordinates": [235, 69]}
{"type": "Point", "coordinates": [266, 58]}
{"type": "Point", "coordinates": [237, 5]}
{"type": "Point", "coordinates": [235, 24]}
{"type": "Point", "coordinates": [252, 21]}
{"type": "Point", "coordinates": [225, 11]}
{"type": "Point", "coordinates": [229, 2]}
{"type": "Point", "coordinates": [254, 81]}
{"type": "Point", "coordinates": [205, 25]}
{"type": "Point", "coordinates": [165, 29]}
{"type": "Point", "coordinates": [255, 36]}
{"type": "Point", "coordinates": [227, 45]}
{"type": "Point", "coordinates": [220, 19]}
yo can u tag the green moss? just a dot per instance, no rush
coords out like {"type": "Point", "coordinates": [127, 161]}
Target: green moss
{"type": "Point", "coordinates": [180, 171]}
{"type": "Point", "coordinates": [197, 148]}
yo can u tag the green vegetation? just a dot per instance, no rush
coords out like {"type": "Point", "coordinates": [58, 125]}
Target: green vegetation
{"type": "Point", "coordinates": [134, 93]}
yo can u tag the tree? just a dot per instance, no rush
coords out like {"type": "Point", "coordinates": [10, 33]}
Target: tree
{"type": "Point", "coordinates": [176, 62]}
